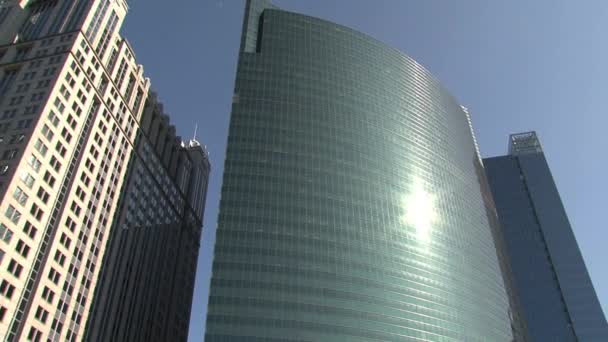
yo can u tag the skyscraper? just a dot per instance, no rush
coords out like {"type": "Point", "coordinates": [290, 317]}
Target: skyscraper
{"type": "Point", "coordinates": [352, 205]}
{"type": "Point", "coordinates": [89, 164]}
{"type": "Point", "coordinates": [556, 294]}
{"type": "Point", "coordinates": [147, 277]}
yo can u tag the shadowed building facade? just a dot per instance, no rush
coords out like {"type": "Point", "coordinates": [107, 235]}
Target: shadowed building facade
{"type": "Point", "coordinates": [354, 205]}
{"type": "Point", "coordinates": [558, 301]}
{"type": "Point", "coordinates": [147, 277]}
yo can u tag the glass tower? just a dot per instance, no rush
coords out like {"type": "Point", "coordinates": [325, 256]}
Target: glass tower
{"type": "Point", "coordinates": [352, 206]}
{"type": "Point", "coordinates": [552, 283]}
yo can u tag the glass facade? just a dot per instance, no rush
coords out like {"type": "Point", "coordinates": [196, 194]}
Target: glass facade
{"type": "Point", "coordinates": [352, 205]}
{"type": "Point", "coordinates": [556, 294]}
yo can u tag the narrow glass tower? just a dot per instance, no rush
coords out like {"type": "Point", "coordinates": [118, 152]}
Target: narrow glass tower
{"type": "Point", "coordinates": [352, 206]}
{"type": "Point", "coordinates": [556, 294]}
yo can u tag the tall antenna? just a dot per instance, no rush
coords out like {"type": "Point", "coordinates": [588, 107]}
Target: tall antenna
{"type": "Point", "coordinates": [195, 129]}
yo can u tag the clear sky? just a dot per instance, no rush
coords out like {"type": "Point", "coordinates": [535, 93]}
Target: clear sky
{"type": "Point", "coordinates": [517, 65]}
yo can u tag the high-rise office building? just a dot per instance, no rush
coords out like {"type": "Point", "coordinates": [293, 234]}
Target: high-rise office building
{"type": "Point", "coordinates": [89, 164]}
{"type": "Point", "coordinates": [147, 277]}
{"type": "Point", "coordinates": [353, 205]}
{"type": "Point", "coordinates": [557, 299]}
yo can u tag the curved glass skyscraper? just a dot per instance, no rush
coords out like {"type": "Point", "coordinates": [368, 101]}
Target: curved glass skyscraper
{"type": "Point", "coordinates": [353, 205]}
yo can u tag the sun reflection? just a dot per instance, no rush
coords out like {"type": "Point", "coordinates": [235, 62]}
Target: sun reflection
{"type": "Point", "coordinates": [419, 210]}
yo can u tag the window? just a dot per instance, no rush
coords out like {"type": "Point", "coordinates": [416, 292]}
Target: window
{"type": "Point", "coordinates": [22, 88]}
{"type": "Point", "coordinates": [16, 138]}
{"type": "Point", "coordinates": [43, 84]}
{"type": "Point", "coordinates": [20, 196]}
{"type": "Point", "coordinates": [9, 154]}
{"type": "Point", "coordinates": [89, 165]}
{"type": "Point", "coordinates": [70, 224]}
{"type": "Point", "coordinates": [59, 148]}
{"type": "Point", "coordinates": [47, 132]}
{"type": "Point", "coordinates": [31, 110]}
{"type": "Point", "coordinates": [22, 248]}
{"type": "Point", "coordinates": [94, 152]}
{"type": "Point", "coordinates": [102, 127]}
{"type": "Point", "coordinates": [16, 100]}
{"type": "Point", "coordinates": [82, 97]}
{"type": "Point", "coordinates": [35, 64]}
{"type": "Point", "coordinates": [70, 80]}
{"type": "Point", "coordinates": [25, 123]}
{"type": "Point", "coordinates": [30, 230]}
{"type": "Point", "coordinates": [59, 257]}
{"type": "Point", "coordinates": [9, 114]}
{"type": "Point", "coordinates": [76, 109]}
{"type": "Point", "coordinates": [22, 53]}
{"type": "Point", "coordinates": [12, 214]}
{"type": "Point", "coordinates": [75, 68]}
{"type": "Point", "coordinates": [5, 233]}
{"type": "Point", "coordinates": [41, 314]}
{"type": "Point", "coordinates": [49, 179]}
{"type": "Point", "coordinates": [54, 276]}
{"type": "Point", "coordinates": [15, 268]}
{"type": "Point", "coordinates": [56, 326]}
{"type": "Point", "coordinates": [72, 121]}
{"type": "Point", "coordinates": [65, 240]}
{"type": "Point", "coordinates": [54, 60]}
{"type": "Point", "coordinates": [64, 91]}
{"type": "Point", "coordinates": [48, 295]}
{"type": "Point", "coordinates": [42, 195]}
{"type": "Point", "coordinates": [53, 118]}
{"type": "Point", "coordinates": [75, 208]}
{"type": "Point", "coordinates": [98, 139]}
{"type": "Point", "coordinates": [3, 169]}
{"type": "Point", "coordinates": [27, 179]}
{"type": "Point", "coordinates": [41, 147]}
{"type": "Point", "coordinates": [49, 71]}
{"type": "Point", "coordinates": [29, 75]}
{"type": "Point", "coordinates": [66, 135]}
{"type": "Point", "coordinates": [55, 164]}
{"type": "Point", "coordinates": [80, 193]}
{"type": "Point", "coordinates": [2, 313]}
{"type": "Point", "coordinates": [36, 211]}
{"type": "Point", "coordinates": [34, 335]}
{"type": "Point", "coordinates": [36, 97]}
{"type": "Point", "coordinates": [7, 289]}
{"type": "Point", "coordinates": [59, 105]}
{"type": "Point", "coordinates": [34, 163]}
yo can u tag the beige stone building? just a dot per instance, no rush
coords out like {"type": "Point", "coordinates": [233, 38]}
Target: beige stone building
{"type": "Point", "coordinates": [89, 166]}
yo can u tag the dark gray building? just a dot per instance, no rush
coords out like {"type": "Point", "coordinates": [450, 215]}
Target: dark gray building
{"type": "Point", "coordinates": [557, 298]}
{"type": "Point", "coordinates": [352, 206]}
{"type": "Point", "coordinates": [144, 292]}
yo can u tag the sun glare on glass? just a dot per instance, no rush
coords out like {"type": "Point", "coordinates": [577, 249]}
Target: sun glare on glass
{"type": "Point", "coordinates": [419, 211]}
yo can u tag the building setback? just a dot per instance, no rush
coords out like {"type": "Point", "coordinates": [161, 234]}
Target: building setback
{"type": "Point", "coordinates": [552, 283]}
{"type": "Point", "coordinates": [353, 205]}
{"type": "Point", "coordinates": [89, 163]}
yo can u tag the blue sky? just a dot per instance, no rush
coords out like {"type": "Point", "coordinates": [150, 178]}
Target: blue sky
{"type": "Point", "coordinates": [517, 65]}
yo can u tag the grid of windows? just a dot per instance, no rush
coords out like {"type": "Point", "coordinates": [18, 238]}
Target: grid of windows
{"type": "Point", "coordinates": [60, 209]}
{"type": "Point", "coordinates": [351, 207]}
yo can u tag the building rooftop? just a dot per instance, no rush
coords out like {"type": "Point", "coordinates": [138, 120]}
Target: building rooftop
{"type": "Point", "coordinates": [524, 143]}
